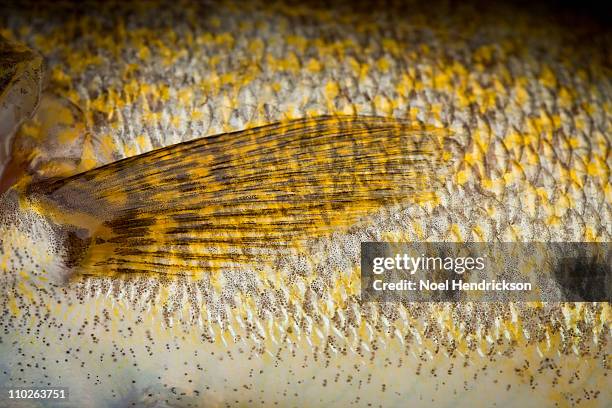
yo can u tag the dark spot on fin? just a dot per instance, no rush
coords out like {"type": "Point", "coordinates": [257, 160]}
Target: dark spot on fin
{"type": "Point", "coordinates": [76, 246]}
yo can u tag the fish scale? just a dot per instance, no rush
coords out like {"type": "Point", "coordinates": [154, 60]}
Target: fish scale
{"type": "Point", "coordinates": [526, 103]}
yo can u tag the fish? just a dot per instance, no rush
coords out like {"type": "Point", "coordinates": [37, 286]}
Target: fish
{"type": "Point", "coordinates": [21, 84]}
{"type": "Point", "coordinates": [196, 182]}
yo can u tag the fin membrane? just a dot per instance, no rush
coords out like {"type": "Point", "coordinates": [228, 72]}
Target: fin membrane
{"type": "Point", "coordinates": [233, 200]}
{"type": "Point", "coordinates": [21, 81]}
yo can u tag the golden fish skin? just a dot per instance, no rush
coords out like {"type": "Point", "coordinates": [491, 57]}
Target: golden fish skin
{"type": "Point", "coordinates": [527, 101]}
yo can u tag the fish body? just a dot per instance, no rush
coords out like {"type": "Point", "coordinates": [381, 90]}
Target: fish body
{"type": "Point", "coordinates": [519, 110]}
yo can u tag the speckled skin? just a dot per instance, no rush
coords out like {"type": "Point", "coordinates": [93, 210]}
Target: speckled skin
{"type": "Point", "coordinates": [527, 102]}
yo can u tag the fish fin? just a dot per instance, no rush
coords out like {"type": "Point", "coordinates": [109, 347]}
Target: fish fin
{"type": "Point", "coordinates": [42, 134]}
{"type": "Point", "coordinates": [234, 199]}
{"type": "Point", "coordinates": [21, 81]}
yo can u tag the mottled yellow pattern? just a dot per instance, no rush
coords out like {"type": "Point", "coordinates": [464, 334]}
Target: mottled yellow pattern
{"type": "Point", "coordinates": [527, 100]}
{"type": "Point", "coordinates": [236, 200]}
